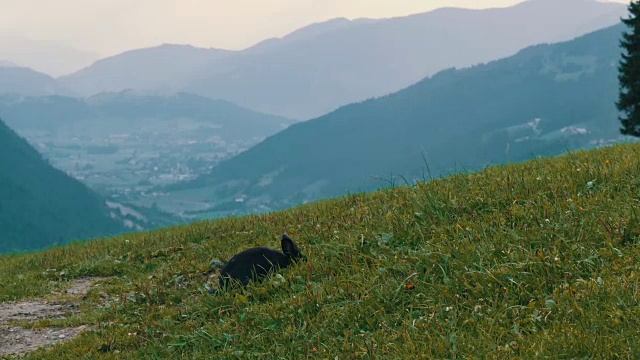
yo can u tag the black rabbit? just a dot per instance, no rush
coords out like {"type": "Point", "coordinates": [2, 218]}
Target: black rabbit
{"type": "Point", "coordinates": [256, 263]}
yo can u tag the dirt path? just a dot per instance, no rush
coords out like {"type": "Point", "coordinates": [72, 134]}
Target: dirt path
{"type": "Point", "coordinates": [34, 310]}
{"type": "Point", "coordinates": [16, 340]}
{"type": "Point", "coordinates": [19, 341]}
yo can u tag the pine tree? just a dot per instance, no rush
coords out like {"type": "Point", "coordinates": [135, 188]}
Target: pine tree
{"type": "Point", "coordinates": [629, 73]}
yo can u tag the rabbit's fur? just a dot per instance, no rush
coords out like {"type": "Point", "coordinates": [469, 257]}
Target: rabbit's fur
{"type": "Point", "coordinates": [256, 263]}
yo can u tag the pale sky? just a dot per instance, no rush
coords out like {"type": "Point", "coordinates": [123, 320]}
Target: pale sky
{"type": "Point", "coordinates": [112, 26]}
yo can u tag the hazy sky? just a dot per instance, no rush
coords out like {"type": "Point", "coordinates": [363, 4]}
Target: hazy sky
{"type": "Point", "coordinates": [112, 26]}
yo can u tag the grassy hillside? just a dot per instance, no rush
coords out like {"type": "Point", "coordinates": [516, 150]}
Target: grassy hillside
{"type": "Point", "coordinates": [530, 260]}
{"type": "Point", "coordinates": [40, 205]}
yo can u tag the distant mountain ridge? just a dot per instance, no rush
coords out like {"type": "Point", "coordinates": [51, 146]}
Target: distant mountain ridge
{"type": "Point", "coordinates": [21, 80]}
{"type": "Point", "coordinates": [5, 63]}
{"type": "Point", "coordinates": [306, 33]}
{"type": "Point", "coordinates": [41, 206]}
{"type": "Point", "coordinates": [158, 68]}
{"type": "Point", "coordinates": [320, 67]}
{"type": "Point", "coordinates": [22, 112]}
{"type": "Point", "coordinates": [542, 101]}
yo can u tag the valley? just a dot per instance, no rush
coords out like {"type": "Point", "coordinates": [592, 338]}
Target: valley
{"type": "Point", "coordinates": [127, 164]}
{"type": "Point", "coordinates": [126, 146]}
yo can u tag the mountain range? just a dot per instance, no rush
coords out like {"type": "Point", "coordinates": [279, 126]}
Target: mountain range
{"type": "Point", "coordinates": [127, 111]}
{"type": "Point", "coordinates": [542, 101]}
{"type": "Point", "coordinates": [41, 206]}
{"type": "Point", "coordinates": [320, 67]}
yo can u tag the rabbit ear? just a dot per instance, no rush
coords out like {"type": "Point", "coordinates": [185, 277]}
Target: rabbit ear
{"type": "Point", "coordinates": [289, 248]}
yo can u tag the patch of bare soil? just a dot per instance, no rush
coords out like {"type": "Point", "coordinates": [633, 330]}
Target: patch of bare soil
{"type": "Point", "coordinates": [15, 340]}
{"type": "Point", "coordinates": [19, 341]}
{"type": "Point", "coordinates": [82, 286]}
{"type": "Point", "coordinates": [34, 310]}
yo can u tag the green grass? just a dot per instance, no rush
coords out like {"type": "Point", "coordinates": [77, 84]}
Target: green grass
{"type": "Point", "coordinates": [530, 260]}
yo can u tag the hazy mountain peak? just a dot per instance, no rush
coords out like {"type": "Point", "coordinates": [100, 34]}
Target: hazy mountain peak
{"type": "Point", "coordinates": [557, 2]}
{"type": "Point", "coordinates": [23, 80]}
{"type": "Point", "coordinates": [50, 57]}
{"type": "Point", "coordinates": [177, 46]}
{"type": "Point", "coordinates": [320, 28]}
{"type": "Point", "coordinates": [309, 31]}
{"type": "Point", "coordinates": [155, 68]}
{"type": "Point", "coordinates": [4, 63]}
{"type": "Point", "coordinates": [563, 3]}
{"type": "Point", "coordinates": [185, 51]}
